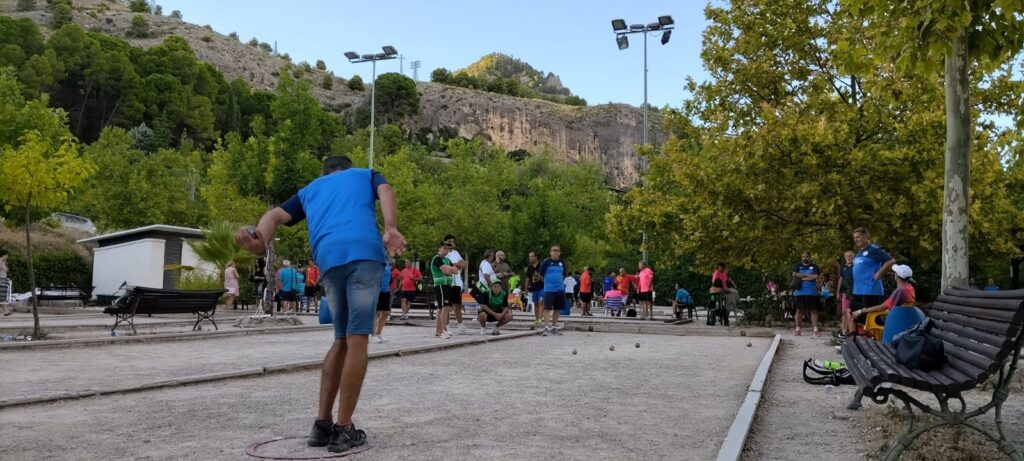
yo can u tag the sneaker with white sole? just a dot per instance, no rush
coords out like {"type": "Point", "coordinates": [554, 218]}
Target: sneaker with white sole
{"type": "Point", "coordinates": [460, 329]}
{"type": "Point", "coordinates": [483, 330]}
{"type": "Point", "coordinates": [495, 332]}
{"type": "Point", "coordinates": [376, 339]}
{"type": "Point", "coordinates": [547, 332]}
{"type": "Point", "coordinates": [556, 331]}
{"type": "Point", "coordinates": [446, 335]}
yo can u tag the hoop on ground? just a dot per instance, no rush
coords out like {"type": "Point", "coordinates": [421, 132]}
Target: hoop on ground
{"type": "Point", "coordinates": [298, 446]}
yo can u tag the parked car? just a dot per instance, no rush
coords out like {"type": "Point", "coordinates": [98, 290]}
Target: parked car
{"type": "Point", "coordinates": [74, 221]}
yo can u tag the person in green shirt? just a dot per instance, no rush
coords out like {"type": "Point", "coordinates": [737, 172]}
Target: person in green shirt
{"type": "Point", "coordinates": [445, 291]}
{"type": "Point", "coordinates": [494, 308]}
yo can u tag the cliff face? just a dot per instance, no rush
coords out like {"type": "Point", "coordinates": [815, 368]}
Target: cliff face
{"type": "Point", "coordinates": [606, 133]}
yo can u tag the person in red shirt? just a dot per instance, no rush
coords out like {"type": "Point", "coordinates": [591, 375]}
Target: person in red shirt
{"type": "Point", "coordinates": [586, 291]}
{"type": "Point", "coordinates": [313, 287]}
{"type": "Point", "coordinates": [409, 276]}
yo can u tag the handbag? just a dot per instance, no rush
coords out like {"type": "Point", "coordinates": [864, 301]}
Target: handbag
{"type": "Point", "coordinates": [796, 283]}
{"type": "Point", "coordinates": [918, 350]}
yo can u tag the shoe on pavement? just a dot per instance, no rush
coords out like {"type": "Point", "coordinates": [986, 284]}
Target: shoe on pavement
{"type": "Point", "coordinates": [495, 332]}
{"type": "Point", "coordinates": [460, 329]}
{"type": "Point", "coordinates": [445, 335]}
{"type": "Point", "coordinates": [404, 317]}
{"type": "Point", "coordinates": [538, 323]}
{"type": "Point", "coordinates": [344, 440]}
{"type": "Point", "coordinates": [320, 436]}
{"type": "Point", "coordinates": [796, 332]}
{"type": "Point", "coordinates": [556, 331]}
{"type": "Point", "coordinates": [376, 339]}
{"type": "Point", "coordinates": [547, 332]}
{"type": "Point", "coordinates": [483, 331]}
{"type": "Point", "coordinates": [817, 333]}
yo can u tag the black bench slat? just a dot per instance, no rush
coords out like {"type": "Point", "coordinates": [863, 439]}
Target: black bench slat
{"type": "Point", "coordinates": [994, 315]}
{"type": "Point", "coordinates": [888, 372]}
{"type": "Point", "coordinates": [957, 328]}
{"type": "Point", "coordinates": [908, 377]}
{"type": "Point", "coordinates": [955, 358]}
{"type": "Point", "coordinates": [984, 364]}
{"type": "Point", "coordinates": [984, 303]}
{"type": "Point", "coordinates": [866, 376]}
{"type": "Point", "coordinates": [142, 300]}
{"type": "Point", "coordinates": [976, 293]}
{"type": "Point", "coordinates": [954, 378]}
{"type": "Point", "coordinates": [984, 350]}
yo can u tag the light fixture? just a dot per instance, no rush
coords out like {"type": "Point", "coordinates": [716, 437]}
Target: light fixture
{"type": "Point", "coordinates": [618, 25]}
{"type": "Point", "coordinates": [665, 20]}
{"type": "Point", "coordinates": [636, 27]}
{"type": "Point", "coordinates": [665, 36]}
{"type": "Point", "coordinates": [622, 41]}
{"type": "Point", "coordinates": [389, 50]}
{"type": "Point", "coordinates": [368, 57]}
{"type": "Point", "coordinates": [653, 26]}
{"type": "Point", "coordinates": [351, 55]}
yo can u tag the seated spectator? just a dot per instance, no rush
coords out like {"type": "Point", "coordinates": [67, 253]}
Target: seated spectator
{"type": "Point", "coordinates": [494, 308]}
{"type": "Point", "coordinates": [613, 302]}
{"type": "Point", "coordinates": [991, 285]}
{"type": "Point", "coordinates": [682, 300]}
{"type": "Point", "coordinates": [903, 295]}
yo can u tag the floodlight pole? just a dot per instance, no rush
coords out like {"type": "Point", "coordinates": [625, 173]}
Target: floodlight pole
{"type": "Point", "coordinates": [389, 53]}
{"type": "Point", "coordinates": [373, 107]}
{"type": "Point", "coordinates": [645, 99]}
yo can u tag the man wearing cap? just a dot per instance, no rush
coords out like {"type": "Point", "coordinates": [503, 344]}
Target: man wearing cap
{"type": "Point", "coordinates": [350, 250]}
{"type": "Point", "coordinates": [442, 270]}
{"type": "Point", "coordinates": [494, 308]}
{"type": "Point", "coordinates": [870, 263]}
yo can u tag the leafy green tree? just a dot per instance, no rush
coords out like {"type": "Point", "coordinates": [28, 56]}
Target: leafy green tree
{"type": "Point", "coordinates": [327, 82]}
{"type": "Point", "coordinates": [218, 247]}
{"type": "Point", "coordinates": [920, 35]}
{"type": "Point", "coordinates": [62, 15]}
{"type": "Point", "coordinates": [441, 75]}
{"type": "Point", "coordinates": [356, 83]}
{"type": "Point", "coordinates": [176, 14]}
{"type": "Point", "coordinates": [233, 36]}
{"type": "Point", "coordinates": [139, 27]}
{"type": "Point", "coordinates": [138, 6]}
{"type": "Point", "coordinates": [20, 39]}
{"type": "Point", "coordinates": [253, 42]}
{"type": "Point", "coordinates": [266, 47]}
{"type": "Point", "coordinates": [321, 65]}
{"type": "Point", "coordinates": [158, 10]}
{"type": "Point", "coordinates": [397, 97]}
{"type": "Point", "coordinates": [40, 162]}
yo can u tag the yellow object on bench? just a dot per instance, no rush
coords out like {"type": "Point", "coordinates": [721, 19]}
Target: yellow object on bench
{"type": "Point", "coordinates": [871, 325]}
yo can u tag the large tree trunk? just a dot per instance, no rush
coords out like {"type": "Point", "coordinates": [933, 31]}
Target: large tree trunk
{"type": "Point", "coordinates": [31, 270]}
{"type": "Point", "coordinates": [958, 162]}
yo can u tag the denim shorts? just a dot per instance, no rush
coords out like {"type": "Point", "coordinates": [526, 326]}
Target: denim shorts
{"type": "Point", "coordinates": [352, 290]}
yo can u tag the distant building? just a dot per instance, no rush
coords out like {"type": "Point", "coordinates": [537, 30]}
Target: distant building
{"type": "Point", "coordinates": [139, 256]}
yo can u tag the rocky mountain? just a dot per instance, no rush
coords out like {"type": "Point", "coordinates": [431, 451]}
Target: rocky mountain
{"type": "Point", "coordinates": [606, 133]}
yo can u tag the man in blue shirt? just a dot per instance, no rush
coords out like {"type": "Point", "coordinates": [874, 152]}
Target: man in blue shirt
{"type": "Point", "coordinates": [553, 271]}
{"type": "Point", "coordinates": [805, 299]}
{"type": "Point", "coordinates": [339, 208]}
{"type": "Point", "coordinates": [870, 263]}
{"type": "Point", "coordinates": [682, 300]}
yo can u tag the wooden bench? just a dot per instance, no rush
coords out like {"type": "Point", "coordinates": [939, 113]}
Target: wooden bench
{"type": "Point", "coordinates": [64, 293]}
{"type": "Point", "coordinates": [982, 335]}
{"type": "Point", "coordinates": [143, 300]}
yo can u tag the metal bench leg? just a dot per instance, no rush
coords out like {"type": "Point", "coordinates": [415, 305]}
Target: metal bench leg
{"type": "Point", "coordinates": [203, 316]}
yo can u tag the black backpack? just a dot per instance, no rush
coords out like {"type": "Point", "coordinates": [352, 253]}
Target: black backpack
{"type": "Point", "coordinates": [827, 372]}
{"type": "Point", "coordinates": [918, 350]}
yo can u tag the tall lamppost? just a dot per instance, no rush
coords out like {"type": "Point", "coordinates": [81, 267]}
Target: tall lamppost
{"type": "Point", "coordinates": [664, 25]}
{"type": "Point", "coordinates": [389, 53]}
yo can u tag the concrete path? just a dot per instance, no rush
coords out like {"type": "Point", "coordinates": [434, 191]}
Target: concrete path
{"type": "Point", "coordinates": [530, 398]}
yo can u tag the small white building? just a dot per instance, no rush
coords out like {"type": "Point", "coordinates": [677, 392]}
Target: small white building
{"type": "Point", "coordinates": [139, 256]}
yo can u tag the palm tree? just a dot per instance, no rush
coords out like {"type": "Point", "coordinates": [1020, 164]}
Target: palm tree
{"type": "Point", "coordinates": [219, 248]}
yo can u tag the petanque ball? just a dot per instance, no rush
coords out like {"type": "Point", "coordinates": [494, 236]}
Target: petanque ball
{"type": "Point", "coordinates": [590, 328]}
{"type": "Point", "coordinates": [749, 345]}
{"type": "Point", "coordinates": [611, 348]}
{"type": "Point", "coordinates": [574, 352]}
{"type": "Point", "coordinates": [743, 333]}
{"type": "Point", "coordinates": [638, 345]}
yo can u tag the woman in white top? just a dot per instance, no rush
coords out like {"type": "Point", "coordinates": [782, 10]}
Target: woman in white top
{"type": "Point", "coordinates": [230, 284]}
{"type": "Point", "coordinates": [4, 283]}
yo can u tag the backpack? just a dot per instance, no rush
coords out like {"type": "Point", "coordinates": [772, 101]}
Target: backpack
{"type": "Point", "coordinates": [919, 351]}
{"type": "Point", "coordinates": [827, 372]}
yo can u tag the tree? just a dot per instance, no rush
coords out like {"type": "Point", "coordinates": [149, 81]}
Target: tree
{"type": "Point", "coordinates": [26, 5]}
{"type": "Point", "coordinates": [176, 14]}
{"type": "Point", "coordinates": [218, 247]}
{"type": "Point", "coordinates": [138, 6]}
{"type": "Point", "coordinates": [396, 97]}
{"type": "Point", "coordinates": [139, 27]}
{"type": "Point", "coordinates": [40, 162]}
{"type": "Point", "coordinates": [61, 15]}
{"type": "Point", "coordinates": [253, 42]}
{"type": "Point", "coordinates": [233, 36]}
{"type": "Point", "coordinates": [441, 75]}
{"type": "Point", "coordinates": [321, 65]}
{"type": "Point", "coordinates": [919, 35]}
{"type": "Point", "coordinates": [327, 82]}
{"type": "Point", "coordinates": [159, 10]}
{"type": "Point", "coordinates": [784, 151]}
{"type": "Point", "coordinates": [356, 83]}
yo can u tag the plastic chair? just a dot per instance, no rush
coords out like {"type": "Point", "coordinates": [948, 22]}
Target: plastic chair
{"type": "Point", "coordinates": [873, 327]}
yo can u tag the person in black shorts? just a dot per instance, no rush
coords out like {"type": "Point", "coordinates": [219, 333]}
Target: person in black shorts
{"type": "Point", "coordinates": [442, 270]}
{"type": "Point", "coordinates": [805, 298]}
{"type": "Point", "coordinates": [383, 304]}
{"type": "Point", "coordinates": [494, 308]}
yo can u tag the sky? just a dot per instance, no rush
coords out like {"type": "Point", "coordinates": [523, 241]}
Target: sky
{"type": "Point", "coordinates": [572, 39]}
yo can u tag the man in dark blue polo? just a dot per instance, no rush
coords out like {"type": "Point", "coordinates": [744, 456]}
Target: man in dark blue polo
{"type": "Point", "coordinates": [552, 270]}
{"type": "Point", "coordinates": [350, 251]}
{"type": "Point", "coordinates": [805, 298]}
{"type": "Point", "coordinates": [870, 263]}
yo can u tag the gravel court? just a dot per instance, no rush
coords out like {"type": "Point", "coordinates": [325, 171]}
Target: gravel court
{"type": "Point", "coordinates": [673, 398]}
{"type": "Point", "coordinates": [38, 372]}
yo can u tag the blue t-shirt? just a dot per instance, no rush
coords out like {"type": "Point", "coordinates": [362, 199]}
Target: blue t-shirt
{"type": "Point", "coordinates": [553, 272]}
{"type": "Point", "coordinates": [609, 282]}
{"type": "Point", "coordinates": [866, 263]}
{"type": "Point", "coordinates": [289, 278]}
{"type": "Point", "coordinates": [847, 274]}
{"type": "Point", "coordinates": [683, 296]}
{"type": "Point", "coordinates": [807, 287]}
{"type": "Point", "coordinates": [385, 280]}
{"type": "Point", "coordinates": [342, 217]}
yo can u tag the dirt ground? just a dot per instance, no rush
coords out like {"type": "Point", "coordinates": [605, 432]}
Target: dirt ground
{"type": "Point", "coordinates": [800, 421]}
{"type": "Point", "coordinates": [530, 398]}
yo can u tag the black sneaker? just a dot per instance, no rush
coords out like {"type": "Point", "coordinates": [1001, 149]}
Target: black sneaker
{"type": "Point", "coordinates": [342, 440]}
{"type": "Point", "coordinates": [321, 433]}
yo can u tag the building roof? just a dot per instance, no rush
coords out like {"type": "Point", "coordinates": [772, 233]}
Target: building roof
{"type": "Point", "coordinates": [145, 232]}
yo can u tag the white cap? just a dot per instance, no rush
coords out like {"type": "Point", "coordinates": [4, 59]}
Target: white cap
{"type": "Point", "coordinates": [903, 271]}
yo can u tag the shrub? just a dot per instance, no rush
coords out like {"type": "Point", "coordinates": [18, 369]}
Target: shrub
{"type": "Point", "coordinates": [61, 15]}
{"type": "Point", "coordinates": [26, 5]}
{"type": "Point", "coordinates": [356, 83]}
{"type": "Point", "coordinates": [266, 47]}
{"type": "Point", "coordinates": [53, 268]}
{"type": "Point", "coordinates": [321, 65]}
{"type": "Point", "coordinates": [234, 36]}
{"type": "Point", "coordinates": [253, 42]}
{"type": "Point", "coordinates": [198, 280]}
{"type": "Point", "coordinates": [138, 6]}
{"type": "Point", "coordinates": [159, 10]}
{"type": "Point", "coordinates": [328, 82]}
{"type": "Point", "coordinates": [176, 14]}
{"type": "Point", "coordinates": [206, 39]}
{"type": "Point", "coordinates": [139, 27]}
